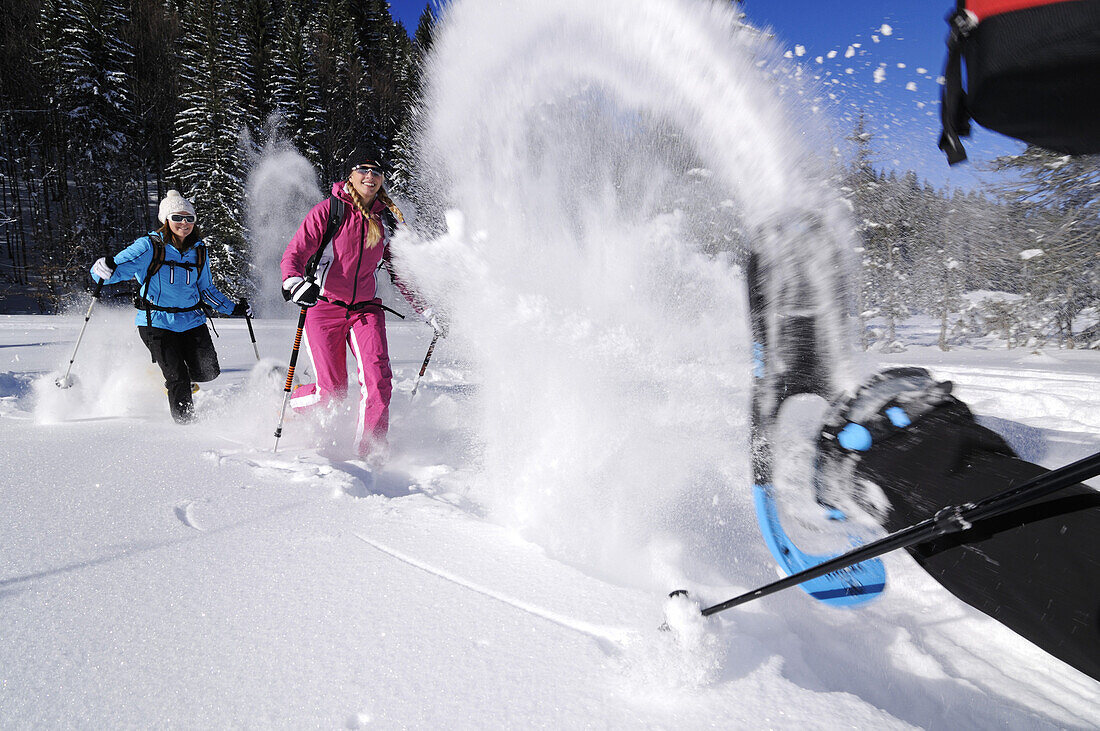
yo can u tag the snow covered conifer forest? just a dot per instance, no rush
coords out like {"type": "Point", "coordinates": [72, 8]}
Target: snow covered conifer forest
{"type": "Point", "coordinates": [105, 105]}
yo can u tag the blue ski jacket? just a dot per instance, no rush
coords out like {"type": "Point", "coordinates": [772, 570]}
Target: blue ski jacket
{"type": "Point", "coordinates": [174, 285]}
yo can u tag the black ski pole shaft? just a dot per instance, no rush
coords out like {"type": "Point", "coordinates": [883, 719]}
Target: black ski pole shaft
{"type": "Point", "coordinates": [63, 382]}
{"type": "Point", "coordinates": [290, 375]}
{"type": "Point", "coordinates": [951, 519]}
{"type": "Point", "coordinates": [424, 365]}
{"type": "Point", "coordinates": [252, 336]}
{"type": "Point", "coordinates": [1033, 489]}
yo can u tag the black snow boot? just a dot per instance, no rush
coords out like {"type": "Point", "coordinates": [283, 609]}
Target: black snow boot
{"type": "Point", "coordinates": [905, 447]}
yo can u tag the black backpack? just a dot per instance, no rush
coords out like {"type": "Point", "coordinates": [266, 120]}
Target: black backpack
{"type": "Point", "coordinates": [1032, 72]}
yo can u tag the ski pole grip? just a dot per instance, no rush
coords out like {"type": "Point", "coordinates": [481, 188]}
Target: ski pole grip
{"type": "Point", "coordinates": [98, 289]}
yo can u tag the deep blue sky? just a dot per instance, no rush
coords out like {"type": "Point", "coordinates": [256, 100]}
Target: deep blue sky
{"type": "Point", "coordinates": [890, 74]}
{"type": "Point", "coordinates": [893, 75]}
{"type": "Point", "coordinates": [408, 12]}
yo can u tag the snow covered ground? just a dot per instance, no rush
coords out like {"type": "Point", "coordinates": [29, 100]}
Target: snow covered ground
{"type": "Point", "coordinates": [157, 575]}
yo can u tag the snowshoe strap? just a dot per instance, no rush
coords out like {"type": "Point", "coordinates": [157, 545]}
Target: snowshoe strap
{"type": "Point", "coordinates": [953, 110]}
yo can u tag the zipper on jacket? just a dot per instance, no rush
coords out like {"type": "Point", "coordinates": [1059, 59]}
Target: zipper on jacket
{"type": "Point", "coordinates": [358, 264]}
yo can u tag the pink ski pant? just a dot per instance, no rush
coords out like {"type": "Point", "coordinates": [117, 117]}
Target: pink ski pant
{"type": "Point", "coordinates": [330, 329]}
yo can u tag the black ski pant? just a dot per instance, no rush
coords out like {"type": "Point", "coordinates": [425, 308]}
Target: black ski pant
{"type": "Point", "coordinates": [1036, 569]}
{"type": "Point", "coordinates": [184, 358]}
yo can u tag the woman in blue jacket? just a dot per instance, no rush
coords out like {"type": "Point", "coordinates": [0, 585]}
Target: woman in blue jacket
{"type": "Point", "coordinates": [174, 281]}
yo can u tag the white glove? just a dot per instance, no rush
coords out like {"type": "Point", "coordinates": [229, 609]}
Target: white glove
{"type": "Point", "coordinates": [300, 291]}
{"type": "Point", "coordinates": [102, 269]}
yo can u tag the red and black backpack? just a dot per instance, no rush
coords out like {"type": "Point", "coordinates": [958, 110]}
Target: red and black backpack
{"type": "Point", "coordinates": [1032, 72]}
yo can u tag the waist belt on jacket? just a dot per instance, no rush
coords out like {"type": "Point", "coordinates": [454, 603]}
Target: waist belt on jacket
{"type": "Point", "coordinates": [360, 306]}
{"type": "Point", "coordinates": [143, 304]}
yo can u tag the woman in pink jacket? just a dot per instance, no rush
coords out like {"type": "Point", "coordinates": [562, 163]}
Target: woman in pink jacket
{"type": "Point", "coordinates": [344, 308]}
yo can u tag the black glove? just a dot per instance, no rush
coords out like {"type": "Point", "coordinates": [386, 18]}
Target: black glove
{"type": "Point", "coordinates": [242, 309]}
{"type": "Point", "coordinates": [302, 292]}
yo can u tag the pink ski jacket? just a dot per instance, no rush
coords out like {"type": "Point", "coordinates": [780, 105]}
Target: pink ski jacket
{"type": "Point", "coordinates": [347, 268]}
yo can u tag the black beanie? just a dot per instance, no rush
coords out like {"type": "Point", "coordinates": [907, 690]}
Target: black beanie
{"type": "Point", "coordinates": [364, 155]}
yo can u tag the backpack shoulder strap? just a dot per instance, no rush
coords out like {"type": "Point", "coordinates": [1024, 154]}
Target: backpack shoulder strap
{"type": "Point", "coordinates": [142, 298]}
{"type": "Point", "coordinates": [336, 210]}
{"type": "Point", "coordinates": [158, 257]}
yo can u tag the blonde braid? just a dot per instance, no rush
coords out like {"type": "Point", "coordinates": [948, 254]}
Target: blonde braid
{"type": "Point", "coordinates": [374, 228]}
{"type": "Point", "coordinates": [388, 202]}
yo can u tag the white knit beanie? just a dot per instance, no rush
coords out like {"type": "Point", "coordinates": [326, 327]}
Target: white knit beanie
{"type": "Point", "coordinates": [174, 203]}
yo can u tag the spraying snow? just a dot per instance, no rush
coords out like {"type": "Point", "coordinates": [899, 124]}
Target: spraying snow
{"type": "Point", "coordinates": [282, 187]}
{"type": "Point", "coordinates": [609, 161]}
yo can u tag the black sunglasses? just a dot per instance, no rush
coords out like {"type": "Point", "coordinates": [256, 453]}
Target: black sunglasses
{"type": "Point", "coordinates": [181, 218]}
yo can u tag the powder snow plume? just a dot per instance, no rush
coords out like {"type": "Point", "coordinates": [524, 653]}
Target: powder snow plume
{"type": "Point", "coordinates": [282, 188]}
{"type": "Point", "coordinates": [605, 164]}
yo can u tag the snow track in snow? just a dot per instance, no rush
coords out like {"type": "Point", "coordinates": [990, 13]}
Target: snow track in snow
{"type": "Point", "coordinates": [1031, 396]}
{"type": "Point", "coordinates": [185, 513]}
{"type": "Point", "coordinates": [602, 634]}
{"type": "Point", "coordinates": [349, 478]}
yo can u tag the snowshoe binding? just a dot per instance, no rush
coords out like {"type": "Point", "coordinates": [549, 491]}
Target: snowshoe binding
{"type": "Point", "coordinates": [881, 407]}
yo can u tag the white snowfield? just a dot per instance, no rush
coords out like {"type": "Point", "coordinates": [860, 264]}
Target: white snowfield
{"type": "Point", "coordinates": [153, 575]}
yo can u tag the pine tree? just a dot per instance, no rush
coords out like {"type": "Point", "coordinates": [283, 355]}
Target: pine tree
{"type": "Point", "coordinates": [340, 84]}
{"type": "Point", "coordinates": [1053, 229]}
{"type": "Point", "coordinates": [944, 264]}
{"type": "Point", "coordinates": [207, 164]}
{"type": "Point", "coordinates": [376, 54]}
{"type": "Point", "coordinates": [259, 29]}
{"type": "Point", "coordinates": [863, 190]}
{"type": "Point", "coordinates": [385, 54]}
{"type": "Point", "coordinates": [153, 74]}
{"type": "Point", "coordinates": [295, 85]}
{"type": "Point", "coordinates": [22, 122]}
{"type": "Point", "coordinates": [402, 154]}
{"type": "Point", "coordinates": [97, 101]}
{"type": "Point", "coordinates": [84, 61]}
{"type": "Point", "coordinates": [55, 242]}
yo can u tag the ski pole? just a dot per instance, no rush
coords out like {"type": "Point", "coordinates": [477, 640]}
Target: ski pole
{"type": "Point", "coordinates": [65, 381]}
{"type": "Point", "coordinates": [424, 365]}
{"type": "Point", "coordinates": [252, 335]}
{"type": "Point", "coordinates": [950, 519]}
{"type": "Point", "coordinates": [290, 375]}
